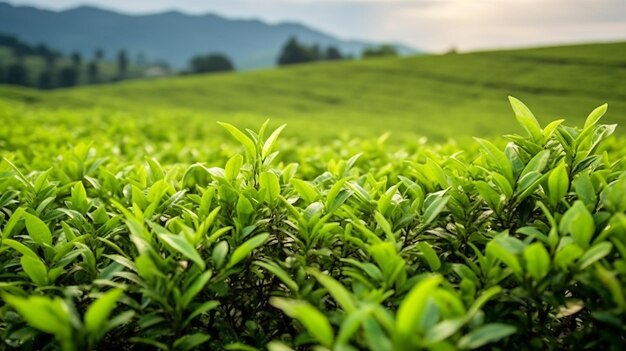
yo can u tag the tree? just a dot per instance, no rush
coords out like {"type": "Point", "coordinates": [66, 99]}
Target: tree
{"type": "Point", "coordinates": [332, 53]}
{"type": "Point", "coordinates": [77, 59]}
{"type": "Point", "coordinates": [92, 72]}
{"type": "Point", "coordinates": [210, 63]}
{"type": "Point", "coordinates": [122, 63]}
{"type": "Point", "coordinates": [43, 50]}
{"type": "Point", "coordinates": [68, 76]}
{"type": "Point", "coordinates": [20, 49]}
{"type": "Point", "coordinates": [50, 59]}
{"type": "Point", "coordinates": [44, 81]}
{"type": "Point", "coordinates": [17, 74]}
{"type": "Point", "coordinates": [380, 51]}
{"type": "Point", "coordinates": [296, 52]}
{"type": "Point", "coordinates": [293, 52]}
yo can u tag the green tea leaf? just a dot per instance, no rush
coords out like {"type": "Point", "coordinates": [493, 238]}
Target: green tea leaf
{"type": "Point", "coordinates": [12, 222]}
{"type": "Point", "coordinates": [219, 253]}
{"type": "Point", "coordinates": [305, 190]}
{"type": "Point", "coordinates": [486, 334]}
{"type": "Point", "coordinates": [567, 255]}
{"type": "Point", "coordinates": [37, 229]}
{"type": "Point", "coordinates": [434, 208]}
{"type": "Point", "coordinates": [247, 143]}
{"type": "Point", "coordinates": [271, 140]}
{"type": "Point", "coordinates": [594, 254]}
{"type": "Point", "coordinates": [35, 269]}
{"type": "Point", "coordinates": [269, 182]}
{"type": "Point", "coordinates": [430, 255]}
{"type": "Point", "coordinates": [585, 190]}
{"type": "Point", "coordinates": [280, 273]}
{"type": "Point", "coordinates": [231, 170]}
{"type": "Point", "coordinates": [337, 291]}
{"type": "Point", "coordinates": [195, 288]}
{"type": "Point", "coordinates": [595, 116]}
{"type": "Point", "coordinates": [99, 311]}
{"type": "Point", "coordinates": [537, 260]}
{"type": "Point", "coordinates": [411, 310]}
{"type": "Point", "coordinates": [498, 249]}
{"type": "Point", "coordinates": [180, 244]}
{"type": "Point", "coordinates": [578, 223]}
{"type": "Point", "coordinates": [246, 248]}
{"type": "Point", "coordinates": [311, 318]}
{"type": "Point", "coordinates": [19, 247]}
{"type": "Point", "coordinates": [526, 119]}
{"type": "Point", "coordinates": [43, 313]}
{"type": "Point", "coordinates": [558, 184]}
{"type": "Point", "coordinates": [190, 342]}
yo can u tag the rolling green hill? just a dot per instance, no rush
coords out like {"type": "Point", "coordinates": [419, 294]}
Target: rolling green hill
{"type": "Point", "coordinates": [443, 96]}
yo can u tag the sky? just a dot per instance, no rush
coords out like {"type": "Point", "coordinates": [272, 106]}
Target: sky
{"type": "Point", "coordinates": [431, 25]}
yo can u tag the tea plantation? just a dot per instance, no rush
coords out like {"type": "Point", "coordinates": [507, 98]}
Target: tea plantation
{"type": "Point", "coordinates": [439, 96]}
{"type": "Point", "coordinates": [129, 233]}
{"type": "Point", "coordinates": [130, 219]}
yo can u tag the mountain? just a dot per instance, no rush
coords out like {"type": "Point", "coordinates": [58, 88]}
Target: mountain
{"type": "Point", "coordinates": [170, 36]}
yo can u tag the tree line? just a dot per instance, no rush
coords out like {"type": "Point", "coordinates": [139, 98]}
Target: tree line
{"type": "Point", "coordinates": [56, 70]}
{"type": "Point", "coordinates": [59, 71]}
{"type": "Point", "coordinates": [294, 52]}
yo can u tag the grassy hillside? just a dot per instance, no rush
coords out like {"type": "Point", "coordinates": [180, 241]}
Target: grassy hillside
{"type": "Point", "coordinates": [437, 96]}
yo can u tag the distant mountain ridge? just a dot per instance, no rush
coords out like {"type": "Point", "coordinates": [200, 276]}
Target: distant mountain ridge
{"type": "Point", "coordinates": [170, 36]}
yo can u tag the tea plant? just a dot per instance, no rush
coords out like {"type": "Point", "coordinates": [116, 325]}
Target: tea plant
{"type": "Point", "coordinates": [359, 245]}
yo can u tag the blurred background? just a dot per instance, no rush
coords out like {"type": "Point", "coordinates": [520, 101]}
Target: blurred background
{"type": "Point", "coordinates": [361, 66]}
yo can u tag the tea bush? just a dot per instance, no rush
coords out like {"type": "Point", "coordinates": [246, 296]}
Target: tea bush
{"type": "Point", "coordinates": [288, 245]}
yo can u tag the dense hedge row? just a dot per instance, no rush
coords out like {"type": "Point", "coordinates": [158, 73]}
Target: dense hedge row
{"type": "Point", "coordinates": [521, 247]}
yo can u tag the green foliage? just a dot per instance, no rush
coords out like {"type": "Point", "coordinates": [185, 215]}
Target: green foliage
{"type": "Point", "coordinates": [294, 52]}
{"type": "Point", "coordinates": [436, 96]}
{"type": "Point", "coordinates": [210, 63]}
{"type": "Point", "coordinates": [384, 50]}
{"type": "Point", "coordinates": [42, 67]}
{"type": "Point", "coordinates": [160, 241]}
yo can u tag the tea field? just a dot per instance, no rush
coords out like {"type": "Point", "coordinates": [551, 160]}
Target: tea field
{"type": "Point", "coordinates": [131, 219]}
{"type": "Point", "coordinates": [440, 96]}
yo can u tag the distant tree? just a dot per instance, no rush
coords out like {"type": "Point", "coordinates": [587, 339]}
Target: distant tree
{"type": "Point", "coordinates": [380, 51]}
{"type": "Point", "coordinates": [294, 52]}
{"type": "Point", "coordinates": [122, 63]}
{"type": "Point", "coordinates": [77, 59]}
{"type": "Point", "coordinates": [17, 74]}
{"type": "Point", "coordinates": [20, 54]}
{"type": "Point", "coordinates": [42, 50]}
{"type": "Point", "coordinates": [20, 49]}
{"type": "Point", "coordinates": [210, 63]}
{"type": "Point", "coordinates": [92, 72]}
{"type": "Point", "coordinates": [8, 40]}
{"type": "Point", "coordinates": [51, 59]}
{"type": "Point", "coordinates": [332, 53]}
{"type": "Point", "coordinates": [314, 52]}
{"type": "Point", "coordinates": [68, 76]}
{"type": "Point", "coordinates": [451, 51]}
{"type": "Point", "coordinates": [45, 80]}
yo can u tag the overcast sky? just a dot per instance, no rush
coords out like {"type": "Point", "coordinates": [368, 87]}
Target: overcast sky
{"type": "Point", "coordinates": [434, 25]}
